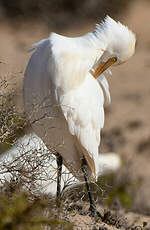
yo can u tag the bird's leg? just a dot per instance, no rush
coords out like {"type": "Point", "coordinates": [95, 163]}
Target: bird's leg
{"type": "Point", "coordinates": [84, 169]}
{"type": "Point", "coordinates": [59, 164]}
{"type": "Point", "coordinates": [92, 203]}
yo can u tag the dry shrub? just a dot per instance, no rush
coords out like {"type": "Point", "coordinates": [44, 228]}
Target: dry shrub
{"type": "Point", "coordinates": [23, 170]}
{"type": "Point", "coordinates": [11, 122]}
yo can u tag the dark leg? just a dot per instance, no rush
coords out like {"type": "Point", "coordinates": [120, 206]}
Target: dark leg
{"type": "Point", "coordinates": [59, 164]}
{"type": "Point", "coordinates": [92, 203]}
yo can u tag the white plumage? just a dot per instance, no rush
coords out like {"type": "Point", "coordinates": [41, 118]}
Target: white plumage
{"type": "Point", "coordinates": [63, 100]}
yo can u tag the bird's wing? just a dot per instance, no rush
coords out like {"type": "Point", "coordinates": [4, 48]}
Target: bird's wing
{"type": "Point", "coordinates": [40, 101]}
{"type": "Point", "coordinates": [37, 85]}
{"type": "Point", "coordinates": [83, 110]}
{"type": "Point", "coordinates": [57, 60]}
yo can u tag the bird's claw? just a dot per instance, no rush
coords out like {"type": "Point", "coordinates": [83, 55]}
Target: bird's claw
{"type": "Point", "coordinates": [94, 212]}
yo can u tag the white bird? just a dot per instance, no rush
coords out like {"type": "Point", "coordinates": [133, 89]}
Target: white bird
{"type": "Point", "coordinates": [63, 99]}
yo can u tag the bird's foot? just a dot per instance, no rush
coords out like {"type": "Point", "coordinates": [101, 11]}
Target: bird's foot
{"type": "Point", "coordinates": [94, 212]}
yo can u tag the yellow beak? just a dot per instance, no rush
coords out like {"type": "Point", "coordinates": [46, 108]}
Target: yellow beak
{"type": "Point", "coordinates": [103, 66]}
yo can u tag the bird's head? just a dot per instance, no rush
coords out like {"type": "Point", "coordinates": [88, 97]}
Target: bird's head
{"type": "Point", "coordinates": [119, 44]}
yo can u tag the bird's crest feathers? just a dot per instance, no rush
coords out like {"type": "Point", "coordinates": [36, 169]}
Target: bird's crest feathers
{"type": "Point", "coordinates": [110, 26]}
{"type": "Point", "coordinates": [119, 40]}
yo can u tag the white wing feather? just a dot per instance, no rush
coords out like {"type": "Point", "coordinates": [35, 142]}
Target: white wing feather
{"type": "Point", "coordinates": [37, 80]}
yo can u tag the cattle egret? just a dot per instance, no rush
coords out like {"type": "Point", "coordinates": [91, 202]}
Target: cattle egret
{"type": "Point", "coordinates": [63, 99]}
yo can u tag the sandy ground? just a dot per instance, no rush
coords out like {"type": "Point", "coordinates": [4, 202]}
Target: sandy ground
{"type": "Point", "coordinates": [127, 124]}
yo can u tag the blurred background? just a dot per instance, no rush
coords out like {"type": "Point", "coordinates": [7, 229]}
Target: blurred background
{"type": "Point", "coordinates": [127, 123]}
{"type": "Point", "coordinates": [62, 14]}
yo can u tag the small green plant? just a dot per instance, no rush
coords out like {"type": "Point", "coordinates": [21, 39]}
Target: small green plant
{"type": "Point", "coordinates": [19, 212]}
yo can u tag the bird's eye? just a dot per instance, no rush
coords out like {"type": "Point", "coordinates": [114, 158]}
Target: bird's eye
{"type": "Point", "coordinates": [114, 59]}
